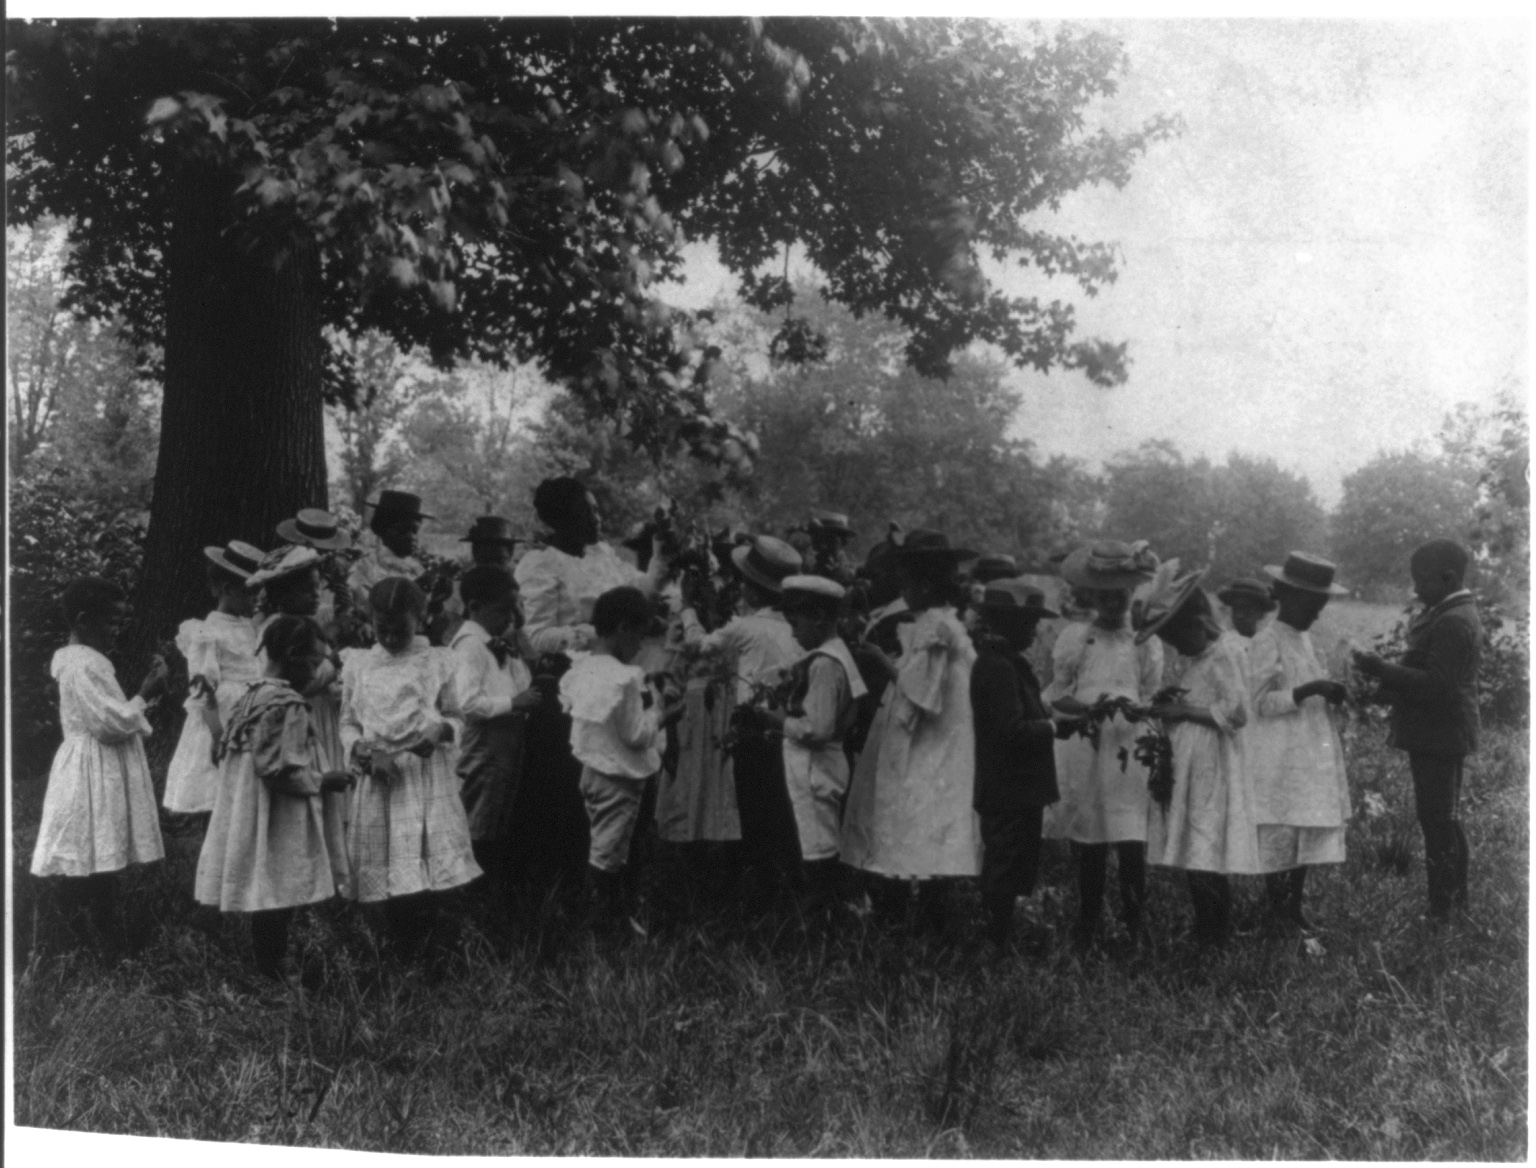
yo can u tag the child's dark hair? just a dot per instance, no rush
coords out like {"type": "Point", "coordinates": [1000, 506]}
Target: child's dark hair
{"type": "Point", "coordinates": [486, 584]}
{"type": "Point", "coordinates": [759, 596]}
{"type": "Point", "coordinates": [87, 596]}
{"type": "Point", "coordinates": [621, 606]}
{"type": "Point", "coordinates": [287, 638]}
{"type": "Point", "coordinates": [1443, 555]}
{"type": "Point", "coordinates": [395, 596]}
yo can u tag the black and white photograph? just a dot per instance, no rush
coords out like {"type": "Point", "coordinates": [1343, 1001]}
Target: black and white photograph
{"type": "Point", "coordinates": [872, 585]}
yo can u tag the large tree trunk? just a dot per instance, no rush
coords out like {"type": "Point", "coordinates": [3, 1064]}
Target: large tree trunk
{"type": "Point", "coordinates": [241, 428]}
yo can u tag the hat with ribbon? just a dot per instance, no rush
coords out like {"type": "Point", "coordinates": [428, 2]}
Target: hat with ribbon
{"type": "Point", "coordinates": [766, 561]}
{"type": "Point", "coordinates": [314, 528]}
{"type": "Point", "coordinates": [808, 586]}
{"type": "Point", "coordinates": [1169, 594]}
{"type": "Point", "coordinates": [1306, 572]}
{"type": "Point", "coordinates": [1249, 589]}
{"type": "Point", "coordinates": [1014, 599]}
{"type": "Point", "coordinates": [398, 505]}
{"type": "Point", "coordinates": [834, 522]}
{"type": "Point", "coordinates": [1110, 565]}
{"type": "Point", "coordinates": [490, 529]}
{"type": "Point", "coordinates": [994, 567]}
{"type": "Point", "coordinates": [239, 558]}
{"type": "Point", "coordinates": [924, 544]}
{"type": "Point", "coordinates": [283, 562]}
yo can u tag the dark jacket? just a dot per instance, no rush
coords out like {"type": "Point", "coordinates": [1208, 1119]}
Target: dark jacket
{"type": "Point", "coordinates": [1434, 687]}
{"type": "Point", "coordinates": [1015, 738]}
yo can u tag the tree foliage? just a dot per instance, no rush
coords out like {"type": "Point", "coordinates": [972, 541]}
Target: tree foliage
{"type": "Point", "coordinates": [516, 189]}
{"type": "Point", "coordinates": [1391, 505]}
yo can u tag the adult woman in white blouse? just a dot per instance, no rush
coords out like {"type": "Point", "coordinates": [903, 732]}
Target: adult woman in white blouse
{"type": "Point", "coordinates": [558, 583]}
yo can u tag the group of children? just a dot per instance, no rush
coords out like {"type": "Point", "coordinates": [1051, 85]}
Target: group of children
{"type": "Point", "coordinates": [926, 749]}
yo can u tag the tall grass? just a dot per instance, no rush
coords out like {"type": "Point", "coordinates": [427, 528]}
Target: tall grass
{"type": "Point", "coordinates": [1379, 1040]}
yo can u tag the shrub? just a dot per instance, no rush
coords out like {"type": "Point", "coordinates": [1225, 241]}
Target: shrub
{"type": "Point", "coordinates": [55, 537]}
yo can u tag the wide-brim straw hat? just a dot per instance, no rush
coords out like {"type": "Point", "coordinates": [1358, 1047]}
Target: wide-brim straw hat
{"type": "Point", "coordinates": [490, 529]}
{"type": "Point", "coordinates": [922, 544]}
{"type": "Point", "coordinates": [805, 587]}
{"type": "Point", "coordinates": [314, 528]}
{"type": "Point", "coordinates": [1169, 596]}
{"type": "Point", "coordinates": [1247, 588]}
{"type": "Point", "coordinates": [241, 559]}
{"type": "Point", "coordinates": [1014, 600]}
{"type": "Point", "coordinates": [1308, 573]}
{"type": "Point", "coordinates": [399, 505]}
{"type": "Point", "coordinates": [1109, 566]}
{"type": "Point", "coordinates": [767, 561]}
{"type": "Point", "coordinates": [283, 562]}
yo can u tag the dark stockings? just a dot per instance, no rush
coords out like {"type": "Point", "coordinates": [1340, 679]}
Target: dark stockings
{"type": "Point", "coordinates": [90, 904]}
{"type": "Point", "coordinates": [1092, 872]}
{"type": "Point", "coordinates": [1436, 792]}
{"type": "Point", "coordinates": [1284, 892]}
{"type": "Point", "coordinates": [1211, 895]}
{"type": "Point", "coordinates": [269, 940]}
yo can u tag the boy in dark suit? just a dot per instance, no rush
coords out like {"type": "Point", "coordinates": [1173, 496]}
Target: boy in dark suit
{"type": "Point", "coordinates": [1015, 748]}
{"type": "Point", "coordinates": [1433, 690]}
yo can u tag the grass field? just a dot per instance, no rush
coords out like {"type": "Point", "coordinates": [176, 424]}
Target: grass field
{"type": "Point", "coordinates": [1380, 1039]}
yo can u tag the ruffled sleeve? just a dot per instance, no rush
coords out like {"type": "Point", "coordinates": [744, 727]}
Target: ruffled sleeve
{"type": "Point", "coordinates": [88, 686]}
{"type": "Point", "coordinates": [542, 589]}
{"type": "Point", "coordinates": [921, 674]}
{"type": "Point", "coordinates": [1149, 667]}
{"type": "Point", "coordinates": [1066, 660]}
{"type": "Point", "coordinates": [1229, 702]}
{"type": "Point", "coordinates": [1266, 671]}
{"type": "Point", "coordinates": [282, 752]}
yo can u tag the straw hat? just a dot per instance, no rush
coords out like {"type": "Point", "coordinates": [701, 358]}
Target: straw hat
{"type": "Point", "coordinates": [1247, 588]}
{"type": "Point", "coordinates": [239, 558]}
{"type": "Point", "coordinates": [1110, 565]}
{"type": "Point", "coordinates": [314, 528]}
{"type": "Point", "coordinates": [490, 529]}
{"type": "Point", "coordinates": [766, 561]}
{"type": "Point", "coordinates": [283, 562]}
{"type": "Point", "coordinates": [398, 505]}
{"type": "Point", "coordinates": [1308, 573]}
{"type": "Point", "coordinates": [1170, 593]}
{"type": "Point", "coordinates": [834, 522]}
{"type": "Point", "coordinates": [818, 586]}
{"type": "Point", "coordinates": [922, 544]}
{"type": "Point", "coordinates": [994, 567]}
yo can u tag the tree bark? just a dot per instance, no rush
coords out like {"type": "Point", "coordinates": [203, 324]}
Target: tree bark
{"type": "Point", "coordinates": [241, 427]}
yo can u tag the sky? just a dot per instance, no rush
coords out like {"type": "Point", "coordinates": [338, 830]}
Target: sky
{"type": "Point", "coordinates": [1330, 258]}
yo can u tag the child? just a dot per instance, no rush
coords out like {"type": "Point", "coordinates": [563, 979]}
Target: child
{"type": "Point", "coordinates": [99, 811]}
{"type": "Point", "coordinates": [758, 643]}
{"type": "Point", "coordinates": [821, 710]}
{"type": "Point", "coordinates": [495, 691]}
{"type": "Point", "coordinates": [221, 661]}
{"type": "Point", "coordinates": [909, 811]}
{"type": "Point", "coordinates": [1104, 799]}
{"type": "Point", "coordinates": [614, 728]}
{"type": "Point", "coordinates": [265, 852]}
{"type": "Point", "coordinates": [1015, 748]}
{"type": "Point", "coordinates": [289, 582]}
{"type": "Point", "coordinates": [409, 837]}
{"type": "Point", "coordinates": [1207, 828]}
{"type": "Point", "coordinates": [1433, 690]}
{"type": "Point", "coordinates": [1248, 602]}
{"type": "Point", "coordinates": [1294, 756]}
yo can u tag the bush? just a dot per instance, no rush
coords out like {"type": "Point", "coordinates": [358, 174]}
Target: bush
{"type": "Point", "coordinates": [1503, 672]}
{"type": "Point", "coordinates": [55, 537]}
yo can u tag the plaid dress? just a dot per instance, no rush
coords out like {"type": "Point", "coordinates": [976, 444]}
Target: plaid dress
{"type": "Point", "coordinates": [408, 831]}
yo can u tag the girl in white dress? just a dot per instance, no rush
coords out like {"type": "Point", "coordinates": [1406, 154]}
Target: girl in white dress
{"type": "Point", "coordinates": [409, 834]}
{"type": "Point", "coordinates": [265, 851]}
{"type": "Point", "coordinates": [1294, 754]}
{"type": "Point", "coordinates": [1208, 827]}
{"type": "Point", "coordinates": [1103, 799]}
{"type": "Point", "coordinates": [909, 808]}
{"type": "Point", "coordinates": [99, 811]}
{"type": "Point", "coordinates": [221, 662]}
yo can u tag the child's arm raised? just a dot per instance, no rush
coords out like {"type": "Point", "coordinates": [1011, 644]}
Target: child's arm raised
{"type": "Point", "coordinates": [1449, 651]}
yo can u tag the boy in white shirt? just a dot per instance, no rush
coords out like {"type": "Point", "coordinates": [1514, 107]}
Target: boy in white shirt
{"type": "Point", "coordinates": [494, 692]}
{"type": "Point", "coordinates": [615, 725]}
